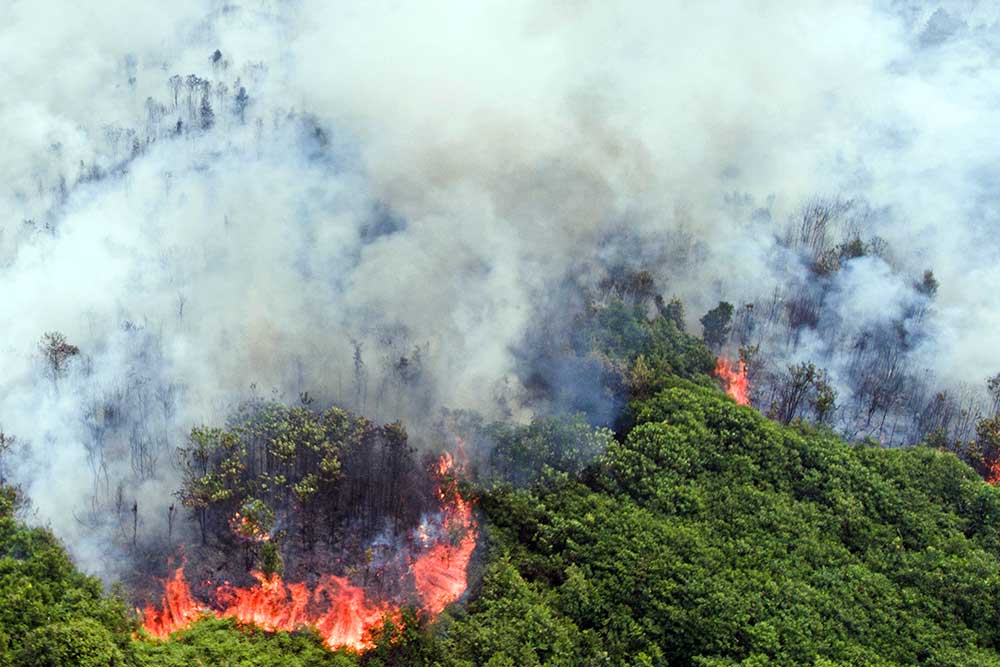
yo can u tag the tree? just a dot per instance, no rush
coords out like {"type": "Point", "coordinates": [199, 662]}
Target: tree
{"type": "Point", "coordinates": [825, 400]}
{"type": "Point", "coordinates": [56, 351]}
{"type": "Point", "coordinates": [80, 642]}
{"type": "Point", "coordinates": [633, 287]}
{"type": "Point", "coordinates": [526, 454]}
{"type": "Point", "coordinates": [193, 83]}
{"type": "Point", "coordinates": [360, 378]}
{"type": "Point", "coordinates": [993, 387]}
{"type": "Point", "coordinates": [672, 311]}
{"type": "Point", "coordinates": [200, 489]}
{"type": "Point", "coordinates": [928, 285]}
{"type": "Point", "coordinates": [717, 324]}
{"type": "Point", "coordinates": [270, 559]}
{"type": "Point", "coordinates": [7, 443]}
{"type": "Point", "coordinates": [176, 82]}
{"type": "Point", "coordinates": [515, 624]}
{"type": "Point", "coordinates": [240, 103]}
{"type": "Point", "coordinates": [206, 113]}
{"type": "Point", "coordinates": [802, 379]}
{"type": "Point", "coordinates": [987, 448]}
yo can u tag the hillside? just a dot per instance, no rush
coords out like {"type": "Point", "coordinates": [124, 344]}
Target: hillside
{"type": "Point", "coordinates": [705, 534]}
{"type": "Point", "coordinates": [510, 333]}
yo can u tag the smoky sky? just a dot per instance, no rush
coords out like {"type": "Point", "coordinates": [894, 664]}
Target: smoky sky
{"type": "Point", "coordinates": [411, 179]}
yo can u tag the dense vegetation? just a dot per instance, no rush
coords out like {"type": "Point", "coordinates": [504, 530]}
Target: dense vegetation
{"type": "Point", "coordinates": [320, 475]}
{"type": "Point", "coordinates": [51, 614]}
{"type": "Point", "coordinates": [699, 533]}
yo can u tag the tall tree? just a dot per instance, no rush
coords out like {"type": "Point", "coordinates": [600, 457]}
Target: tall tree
{"type": "Point", "coordinates": [206, 113]}
{"type": "Point", "coordinates": [717, 324]}
{"type": "Point", "coordinates": [57, 352]}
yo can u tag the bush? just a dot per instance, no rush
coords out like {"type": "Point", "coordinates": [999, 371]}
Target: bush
{"type": "Point", "coordinates": [80, 642]}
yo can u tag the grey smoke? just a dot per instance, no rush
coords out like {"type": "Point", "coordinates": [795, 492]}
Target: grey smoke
{"type": "Point", "coordinates": [413, 179]}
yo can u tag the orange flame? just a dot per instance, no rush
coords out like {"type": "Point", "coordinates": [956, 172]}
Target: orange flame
{"type": "Point", "coordinates": [346, 616]}
{"type": "Point", "coordinates": [993, 471]}
{"type": "Point", "coordinates": [179, 608]}
{"type": "Point", "coordinates": [341, 612]}
{"type": "Point", "coordinates": [247, 530]}
{"type": "Point", "coordinates": [734, 379]}
{"type": "Point", "coordinates": [441, 574]}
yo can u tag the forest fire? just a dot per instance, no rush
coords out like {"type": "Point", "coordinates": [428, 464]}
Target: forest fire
{"type": "Point", "coordinates": [179, 608]}
{"type": "Point", "coordinates": [734, 379]}
{"type": "Point", "coordinates": [993, 471]}
{"type": "Point", "coordinates": [247, 529]}
{"type": "Point", "coordinates": [440, 574]}
{"type": "Point", "coordinates": [347, 619]}
{"type": "Point", "coordinates": [342, 613]}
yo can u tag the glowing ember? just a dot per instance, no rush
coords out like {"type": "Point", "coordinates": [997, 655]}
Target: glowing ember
{"type": "Point", "coordinates": [247, 529]}
{"type": "Point", "coordinates": [734, 380]}
{"type": "Point", "coordinates": [993, 471]}
{"type": "Point", "coordinates": [341, 612]}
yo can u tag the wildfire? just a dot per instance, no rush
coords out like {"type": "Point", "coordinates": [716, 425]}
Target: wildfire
{"type": "Point", "coordinates": [341, 612]}
{"type": "Point", "coordinates": [180, 608]}
{"type": "Point", "coordinates": [441, 574]}
{"type": "Point", "coordinates": [247, 530]}
{"type": "Point", "coordinates": [734, 379]}
{"type": "Point", "coordinates": [993, 471]}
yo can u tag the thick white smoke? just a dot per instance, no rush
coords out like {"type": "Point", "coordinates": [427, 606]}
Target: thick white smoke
{"type": "Point", "coordinates": [410, 179]}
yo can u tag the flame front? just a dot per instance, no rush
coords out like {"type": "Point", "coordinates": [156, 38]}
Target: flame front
{"type": "Point", "coordinates": [341, 612]}
{"type": "Point", "coordinates": [734, 379]}
{"type": "Point", "coordinates": [441, 574]}
{"type": "Point", "coordinates": [179, 608]}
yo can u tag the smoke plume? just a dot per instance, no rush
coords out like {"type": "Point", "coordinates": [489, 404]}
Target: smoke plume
{"type": "Point", "coordinates": [381, 203]}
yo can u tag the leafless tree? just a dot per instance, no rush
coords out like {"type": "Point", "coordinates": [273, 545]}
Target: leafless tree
{"type": "Point", "coordinates": [57, 352]}
{"type": "Point", "coordinates": [7, 444]}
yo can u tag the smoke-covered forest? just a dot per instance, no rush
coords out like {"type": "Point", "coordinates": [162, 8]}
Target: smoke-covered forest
{"type": "Point", "coordinates": [518, 333]}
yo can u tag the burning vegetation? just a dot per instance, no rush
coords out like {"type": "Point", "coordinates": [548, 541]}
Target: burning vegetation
{"type": "Point", "coordinates": [343, 613]}
{"type": "Point", "coordinates": [306, 493]}
{"type": "Point", "coordinates": [734, 379]}
{"type": "Point", "coordinates": [505, 266]}
{"type": "Point", "coordinates": [317, 537]}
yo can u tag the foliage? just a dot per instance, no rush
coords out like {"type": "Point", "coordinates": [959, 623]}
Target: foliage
{"type": "Point", "coordinates": [713, 536]}
{"type": "Point", "coordinates": [704, 535]}
{"type": "Point", "coordinates": [217, 642]}
{"type": "Point", "coordinates": [804, 384]}
{"type": "Point", "coordinates": [522, 454]}
{"type": "Point", "coordinates": [643, 351]}
{"type": "Point", "coordinates": [717, 325]}
{"type": "Point", "coordinates": [514, 623]}
{"type": "Point", "coordinates": [273, 458]}
{"type": "Point", "coordinates": [49, 612]}
{"type": "Point", "coordinates": [80, 642]}
{"type": "Point", "coordinates": [403, 641]}
{"type": "Point", "coordinates": [56, 351]}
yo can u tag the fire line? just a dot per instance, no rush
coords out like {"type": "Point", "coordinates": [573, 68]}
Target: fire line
{"type": "Point", "coordinates": [340, 611]}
